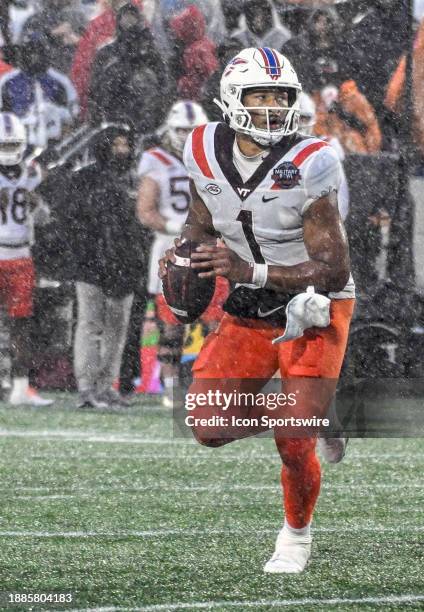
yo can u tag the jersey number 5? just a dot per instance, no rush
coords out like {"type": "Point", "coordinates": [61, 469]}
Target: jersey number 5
{"type": "Point", "coordinates": [245, 217]}
{"type": "Point", "coordinates": [180, 192]}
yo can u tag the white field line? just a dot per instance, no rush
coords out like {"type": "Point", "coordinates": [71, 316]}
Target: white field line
{"type": "Point", "coordinates": [87, 436]}
{"type": "Point", "coordinates": [213, 488]}
{"type": "Point", "coordinates": [88, 496]}
{"type": "Point", "coordinates": [261, 603]}
{"type": "Point", "coordinates": [123, 438]}
{"type": "Point", "coordinates": [165, 533]}
{"type": "Point", "coordinates": [272, 457]}
{"type": "Point", "coordinates": [46, 497]}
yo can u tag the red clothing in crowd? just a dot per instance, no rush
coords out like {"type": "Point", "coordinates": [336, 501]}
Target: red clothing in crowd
{"type": "Point", "coordinates": [199, 59]}
{"type": "Point", "coordinates": [4, 67]}
{"type": "Point", "coordinates": [99, 31]}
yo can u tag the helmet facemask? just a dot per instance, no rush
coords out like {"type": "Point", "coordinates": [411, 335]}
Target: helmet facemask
{"type": "Point", "coordinates": [11, 153]}
{"type": "Point", "coordinates": [13, 140]}
{"type": "Point", "coordinates": [177, 137]}
{"type": "Point", "coordinates": [307, 117]}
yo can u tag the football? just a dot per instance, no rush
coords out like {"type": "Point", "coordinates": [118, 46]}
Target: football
{"type": "Point", "coordinates": [185, 292]}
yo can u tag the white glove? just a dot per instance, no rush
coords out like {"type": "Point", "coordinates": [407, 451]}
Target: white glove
{"type": "Point", "coordinates": [305, 310]}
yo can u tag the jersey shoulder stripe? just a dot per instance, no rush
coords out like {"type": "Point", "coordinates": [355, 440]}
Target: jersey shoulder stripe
{"type": "Point", "coordinates": [307, 151]}
{"type": "Point", "coordinates": [160, 156]}
{"type": "Point", "coordinates": [198, 148]}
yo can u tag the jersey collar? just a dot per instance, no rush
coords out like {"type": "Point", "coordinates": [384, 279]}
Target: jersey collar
{"type": "Point", "coordinates": [224, 141]}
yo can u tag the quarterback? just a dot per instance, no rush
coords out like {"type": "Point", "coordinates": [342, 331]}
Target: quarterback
{"type": "Point", "coordinates": [271, 195]}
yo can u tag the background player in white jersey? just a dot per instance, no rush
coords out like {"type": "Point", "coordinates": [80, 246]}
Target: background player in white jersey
{"type": "Point", "coordinates": [272, 195]}
{"type": "Point", "coordinates": [18, 204]}
{"type": "Point", "coordinates": [163, 201]}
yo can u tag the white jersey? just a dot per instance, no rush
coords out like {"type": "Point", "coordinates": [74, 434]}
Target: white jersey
{"type": "Point", "coordinates": [16, 226]}
{"type": "Point", "coordinates": [262, 219]}
{"type": "Point", "coordinates": [171, 176]}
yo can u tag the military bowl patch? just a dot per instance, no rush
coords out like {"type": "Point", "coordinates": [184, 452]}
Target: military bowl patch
{"type": "Point", "coordinates": [286, 175]}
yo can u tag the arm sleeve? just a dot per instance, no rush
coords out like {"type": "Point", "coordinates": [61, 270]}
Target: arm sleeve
{"type": "Point", "coordinates": [322, 176]}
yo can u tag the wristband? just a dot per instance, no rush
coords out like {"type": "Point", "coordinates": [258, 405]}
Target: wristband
{"type": "Point", "coordinates": [173, 227]}
{"type": "Point", "coordinates": [260, 274]}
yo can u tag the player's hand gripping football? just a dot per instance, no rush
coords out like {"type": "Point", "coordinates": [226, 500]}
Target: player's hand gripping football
{"type": "Point", "coordinates": [223, 261]}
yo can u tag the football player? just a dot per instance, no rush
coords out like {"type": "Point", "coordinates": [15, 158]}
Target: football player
{"type": "Point", "coordinates": [272, 196]}
{"type": "Point", "coordinates": [18, 204]}
{"type": "Point", "coordinates": [163, 203]}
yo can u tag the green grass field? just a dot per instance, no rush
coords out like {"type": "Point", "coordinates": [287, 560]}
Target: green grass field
{"type": "Point", "coordinates": [112, 509]}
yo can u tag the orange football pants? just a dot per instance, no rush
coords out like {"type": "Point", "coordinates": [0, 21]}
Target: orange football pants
{"type": "Point", "coordinates": [239, 356]}
{"type": "Point", "coordinates": [17, 283]}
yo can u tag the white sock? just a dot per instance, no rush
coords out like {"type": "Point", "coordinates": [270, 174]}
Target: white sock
{"type": "Point", "coordinates": [168, 382]}
{"type": "Point", "coordinates": [303, 531]}
{"type": "Point", "coordinates": [20, 385]}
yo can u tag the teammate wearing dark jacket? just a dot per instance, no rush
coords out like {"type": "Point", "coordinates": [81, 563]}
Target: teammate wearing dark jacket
{"type": "Point", "coordinates": [100, 236]}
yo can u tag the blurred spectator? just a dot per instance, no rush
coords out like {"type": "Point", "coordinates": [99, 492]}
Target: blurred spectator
{"type": "Point", "coordinates": [394, 96]}
{"type": "Point", "coordinates": [293, 15]}
{"type": "Point", "coordinates": [99, 31]}
{"type": "Point", "coordinates": [128, 76]}
{"type": "Point", "coordinates": [42, 97]}
{"type": "Point", "coordinates": [318, 53]}
{"type": "Point", "coordinates": [263, 27]}
{"type": "Point", "coordinates": [98, 220]}
{"type": "Point", "coordinates": [13, 14]}
{"type": "Point", "coordinates": [165, 10]}
{"type": "Point", "coordinates": [372, 49]}
{"type": "Point", "coordinates": [63, 22]}
{"type": "Point", "coordinates": [197, 59]}
{"type": "Point", "coordinates": [232, 11]}
{"type": "Point", "coordinates": [344, 113]}
{"type": "Point", "coordinates": [225, 52]}
{"type": "Point", "coordinates": [4, 23]}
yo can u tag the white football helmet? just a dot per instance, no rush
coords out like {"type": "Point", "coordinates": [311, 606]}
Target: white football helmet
{"type": "Point", "coordinates": [183, 117]}
{"type": "Point", "coordinates": [307, 114]}
{"type": "Point", "coordinates": [254, 69]}
{"type": "Point", "coordinates": [13, 140]}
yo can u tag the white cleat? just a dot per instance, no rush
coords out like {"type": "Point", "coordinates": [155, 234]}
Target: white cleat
{"type": "Point", "coordinates": [28, 398]}
{"type": "Point", "coordinates": [167, 401]}
{"type": "Point", "coordinates": [332, 449]}
{"type": "Point", "coordinates": [291, 554]}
